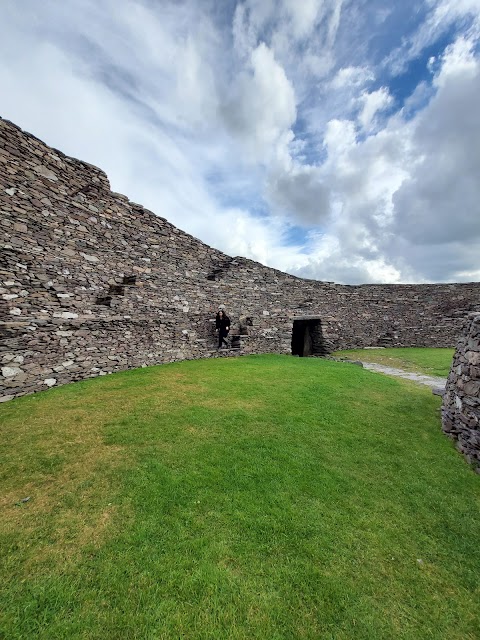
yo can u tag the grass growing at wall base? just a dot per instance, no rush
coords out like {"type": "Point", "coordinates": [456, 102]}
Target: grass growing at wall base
{"type": "Point", "coordinates": [433, 362]}
{"type": "Point", "coordinates": [257, 497]}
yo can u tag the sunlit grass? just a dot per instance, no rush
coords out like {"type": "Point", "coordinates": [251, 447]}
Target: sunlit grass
{"type": "Point", "coordinates": [259, 497]}
{"type": "Point", "coordinates": [433, 362]}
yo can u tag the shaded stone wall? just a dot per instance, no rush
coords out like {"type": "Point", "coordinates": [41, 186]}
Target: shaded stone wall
{"type": "Point", "coordinates": [461, 402]}
{"type": "Point", "coordinates": [91, 283]}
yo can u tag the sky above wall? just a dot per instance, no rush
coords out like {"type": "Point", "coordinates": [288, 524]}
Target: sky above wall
{"type": "Point", "coordinates": [332, 139]}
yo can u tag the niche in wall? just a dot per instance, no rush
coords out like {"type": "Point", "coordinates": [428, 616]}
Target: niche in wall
{"type": "Point", "coordinates": [105, 301]}
{"type": "Point", "coordinates": [214, 275]}
{"type": "Point", "coordinates": [116, 290]}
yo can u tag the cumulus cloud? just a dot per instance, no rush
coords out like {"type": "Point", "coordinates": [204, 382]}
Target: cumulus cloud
{"type": "Point", "coordinates": [262, 109]}
{"type": "Point", "coordinates": [439, 203]}
{"type": "Point", "coordinates": [408, 196]}
{"type": "Point", "coordinates": [372, 104]}
{"type": "Point", "coordinates": [288, 132]}
{"type": "Point", "coordinates": [301, 193]}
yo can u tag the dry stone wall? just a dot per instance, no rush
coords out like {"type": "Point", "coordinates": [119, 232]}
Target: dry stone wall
{"type": "Point", "coordinates": [92, 283]}
{"type": "Point", "coordinates": [461, 401]}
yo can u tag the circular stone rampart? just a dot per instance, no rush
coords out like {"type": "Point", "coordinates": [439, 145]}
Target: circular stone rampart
{"type": "Point", "coordinates": [92, 283]}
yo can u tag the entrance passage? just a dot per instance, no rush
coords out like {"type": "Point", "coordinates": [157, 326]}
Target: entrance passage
{"type": "Point", "coordinates": [307, 338]}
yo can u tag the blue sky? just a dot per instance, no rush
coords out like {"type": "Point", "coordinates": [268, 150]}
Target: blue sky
{"type": "Point", "coordinates": [333, 139]}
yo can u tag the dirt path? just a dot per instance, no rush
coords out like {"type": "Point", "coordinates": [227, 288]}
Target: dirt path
{"type": "Point", "coordinates": [421, 378]}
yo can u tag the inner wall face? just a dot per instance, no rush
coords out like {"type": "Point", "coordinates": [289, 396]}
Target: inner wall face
{"type": "Point", "coordinates": [92, 283]}
{"type": "Point", "coordinates": [461, 401]}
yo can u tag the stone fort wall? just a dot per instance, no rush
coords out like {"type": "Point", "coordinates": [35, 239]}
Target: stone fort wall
{"type": "Point", "coordinates": [91, 283]}
{"type": "Point", "coordinates": [461, 401]}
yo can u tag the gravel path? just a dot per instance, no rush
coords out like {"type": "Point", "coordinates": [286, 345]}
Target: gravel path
{"type": "Point", "coordinates": [430, 381]}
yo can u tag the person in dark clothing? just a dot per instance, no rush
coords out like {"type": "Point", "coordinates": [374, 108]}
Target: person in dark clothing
{"type": "Point", "coordinates": [222, 322]}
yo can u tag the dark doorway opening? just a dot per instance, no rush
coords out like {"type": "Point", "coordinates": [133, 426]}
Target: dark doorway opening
{"type": "Point", "coordinates": [307, 338]}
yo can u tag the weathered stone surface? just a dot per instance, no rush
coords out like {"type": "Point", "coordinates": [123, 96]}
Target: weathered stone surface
{"type": "Point", "coordinates": [45, 172]}
{"type": "Point", "coordinates": [472, 388]}
{"type": "Point", "coordinates": [461, 402]}
{"type": "Point", "coordinates": [97, 284]}
{"type": "Point", "coordinates": [8, 372]}
{"type": "Point", "coordinates": [473, 357]}
{"type": "Point", "coordinates": [89, 258]}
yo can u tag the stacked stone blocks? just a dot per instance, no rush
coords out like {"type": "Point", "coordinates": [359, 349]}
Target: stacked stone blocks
{"type": "Point", "coordinates": [92, 283]}
{"type": "Point", "coordinates": [461, 402]}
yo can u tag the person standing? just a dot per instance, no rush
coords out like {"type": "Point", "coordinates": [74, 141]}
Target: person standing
{"type": "Point", "coordinates": [222, 322]}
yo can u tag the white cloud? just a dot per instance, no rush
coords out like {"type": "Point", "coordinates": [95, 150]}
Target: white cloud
{"type": "Point", "coordinates": [440, 202]}
{"type": "Point", "coordinates": [300, 193]}
{"type": "Point", "coordinates": [408, 205]}
{"type": "Point", "coordinates": [352, 77]}
{"type": "Point", "coordinates": [340, 138]}
{"type": "Point", "coordinates": [441, 16]}
{"type": "Point", "coordinates": [303, 16]}
{"type": "Point", "coordinates": [237, 125]}
{"type": "Point", "coordinates": [372, 104]}
{"type": "Point", "coordinates": [458, 60]}
{"type": "Point", "coordinates": [262, 109]}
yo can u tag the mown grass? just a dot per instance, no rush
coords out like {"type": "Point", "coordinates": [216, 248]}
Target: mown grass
{"type": "Point", "coordinates": [433, 362]}
{"type": "Point", "coordinates": [261, 497]}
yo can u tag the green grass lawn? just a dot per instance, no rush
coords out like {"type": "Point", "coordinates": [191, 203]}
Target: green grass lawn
{"type": "Point", "coordinates": [433, 362]}
{"type": "Point", "coordinates": [263, 497]}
